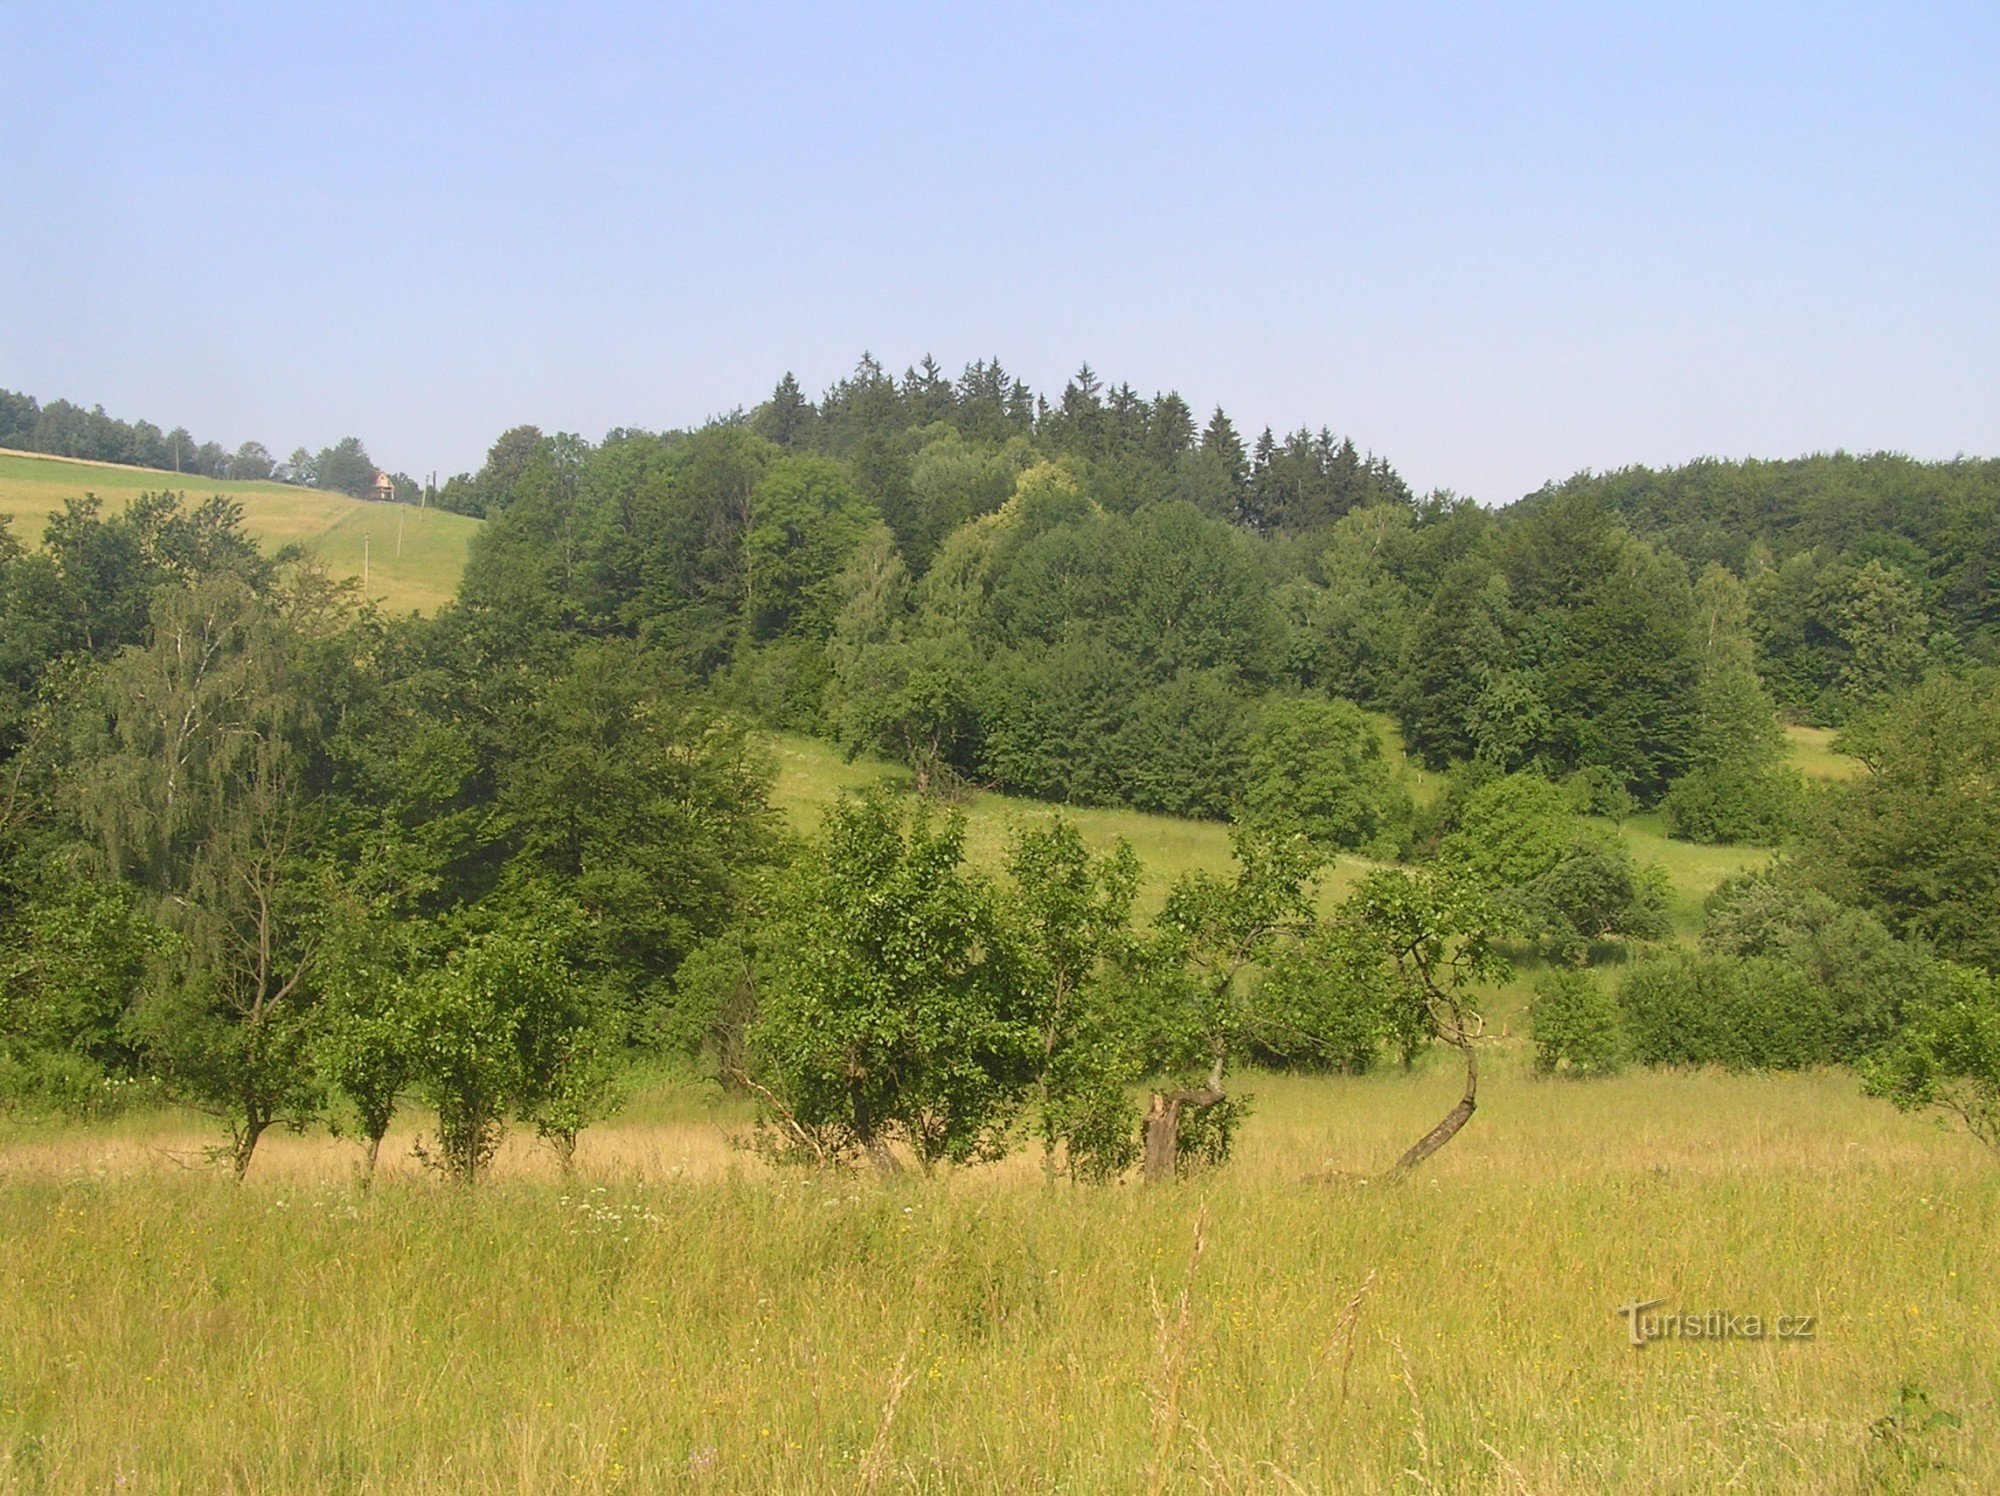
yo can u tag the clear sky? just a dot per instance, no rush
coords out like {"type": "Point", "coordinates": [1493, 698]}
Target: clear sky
{"type": "Point", "coordinates": [1495, 243]}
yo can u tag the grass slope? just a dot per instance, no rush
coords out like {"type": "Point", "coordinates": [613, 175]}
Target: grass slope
{"type": "Point", "coordinates": [1813, 755]}
{"type": "Point", "coordinates": [812, 773]}
{"type": "Point", "coordinates": [422, 574]}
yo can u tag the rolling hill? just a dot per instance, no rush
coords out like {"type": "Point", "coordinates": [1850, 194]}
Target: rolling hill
{"type": "Point", "coordinates": [413, 557]}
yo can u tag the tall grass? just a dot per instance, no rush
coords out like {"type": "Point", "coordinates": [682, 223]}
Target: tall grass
{"type": "Point", "coordinates": [678, 1316]}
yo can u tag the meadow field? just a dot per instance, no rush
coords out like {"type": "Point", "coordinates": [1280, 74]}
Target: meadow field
{"type": "Point", "coordinates": [418, 571]}
{"type": "Point", "coordinates": [679, 1314]}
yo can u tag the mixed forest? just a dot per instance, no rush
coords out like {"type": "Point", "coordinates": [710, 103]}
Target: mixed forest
{"type": "Point", "coordinates": [273, 854]}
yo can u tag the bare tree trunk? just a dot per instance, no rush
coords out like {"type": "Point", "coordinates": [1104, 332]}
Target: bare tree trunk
{"type": "Point", "coordinates": [1454, 1119]}
{"type": "Point", "coordinates": [885, 1161]}
{"type": "Point", "coordinates": [368, 1162]}
{"type": "Point", "coordinates": [244, 1144]}
{"type": "Point", "coordinates": [564, 1144]}
{"type": "Point", "coordinates": [1163, 1123]}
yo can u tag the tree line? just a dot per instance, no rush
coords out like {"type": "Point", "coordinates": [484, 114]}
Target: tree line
{"type": "Point", "coordinates": [1099, 600]}
{"type": "Point", "coordinates": [63, 429]}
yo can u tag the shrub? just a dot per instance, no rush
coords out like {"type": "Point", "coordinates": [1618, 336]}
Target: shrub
{"type": "Point", "coordinates": [1598, 791]}
{"type": "Point", "coordinates": [47, 1085]}
{"type": "Point", "coordinates": [1596, 892]}
{"type": "Point", "coordinates": [1947, 1056]}
{"type": "Point", "coordinates": [1563, 881]}
{"type": "Point", "coordinates": [1871, 979]}
{"type": "Point", "coordinates": [1746, 1013]}
{"type": "Point", "coordinates": [1731, 803]}
{"type": "Point", "coordinates": [1324, 1005]}
{"type": "Point", "coordinates": [1576, 1026]}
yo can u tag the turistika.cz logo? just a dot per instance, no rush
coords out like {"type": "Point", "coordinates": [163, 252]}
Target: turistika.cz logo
{"type": "Point", "coordinates": [1643, 1325]}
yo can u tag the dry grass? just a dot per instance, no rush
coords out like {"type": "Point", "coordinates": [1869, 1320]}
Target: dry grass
{"type": "Point", "coordinates": [680, 1316]}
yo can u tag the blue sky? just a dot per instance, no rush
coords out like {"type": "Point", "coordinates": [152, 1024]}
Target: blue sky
{"type": "Point", "coordinates": [1494, 243]}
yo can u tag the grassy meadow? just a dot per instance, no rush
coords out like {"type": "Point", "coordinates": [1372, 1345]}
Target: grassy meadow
{"type": "Point", "coordinates": [418, 571]}
{"type": "Point", "coordinates": [676, 1316]}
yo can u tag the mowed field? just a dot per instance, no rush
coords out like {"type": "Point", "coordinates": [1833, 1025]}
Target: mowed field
{"type": "Point", "coordinates": [414, 557]}
{"type": "Point", "coordinates": [681, 1316]}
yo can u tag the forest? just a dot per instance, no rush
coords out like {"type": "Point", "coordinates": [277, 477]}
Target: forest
{"type": "Point", "coordinates": [271, 854]}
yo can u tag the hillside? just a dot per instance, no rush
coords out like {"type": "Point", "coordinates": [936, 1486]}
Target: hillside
{"type": "Point", "coordinates": [421, 573]}
{"type": "Point", "coordinates": [812, 774]}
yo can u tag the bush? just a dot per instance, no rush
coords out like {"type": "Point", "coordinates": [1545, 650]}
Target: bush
{"type": "Point", "coordinates": [1564, 882]}
{"type": "Point", "coordinates": [1598, 791]}
{"type": "Point", "coordinates": [1576, 1026]}
{"type": "Point", "coordinates": [1596, 892]}
{"type": "Point", "coordinates": [1872, 980]}
{"type": "Point", "coordinates": [1746, 1013]}
{"type": "Point", "coordinates": [1322, 1006]}
{"type": "Point", "coordinates": [1729, 804]}
{"type": "Point", "coordinates": [1181, 751]}
{"type": "Point", "coordinates": [49, 1085]}
{"type": "Point", "coordinates": [1947, 1057]}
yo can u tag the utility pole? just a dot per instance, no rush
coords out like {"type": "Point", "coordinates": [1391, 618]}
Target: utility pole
{"type": "Point", "coordinates": [399, 530]}
{"type": "Point", "coordinates": [364, 560]}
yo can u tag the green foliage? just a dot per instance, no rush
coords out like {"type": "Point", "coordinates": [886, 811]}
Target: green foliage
{"type": "Point", "coordinates": [805, 520]}
{"type": "Point", "coordinates": [1327, 1002]}
{"type": "Point", "coordinates": [1916, 840]}
{"type": "Point", "coordinates": [362, 1042]}
{"type": "Point", "coordinates": [77, 952]}
{"type": "Point", "coordinates": [1316, 768]}
{"type": "Point", "coordinates": [1071, 914]}
{"type": "Point", "coordinates": [714, 1003]}
{"type": "Point", "coordinates": [1433, 935]}
{"type": "Point", "coordinates": [1602, 631]}
{"type": "Point", "coordinates": [40, 1085]}
{"type": "Point", "coordinates": [1742, 1012]}
{"type": "Point", "coordinates": [1576, 1026]}
{"type": "Point", "coordinates": [1049, 720]}
{"type": "Point", "coordinates": [1520, 838]}
{"type": "Point", "coordinates": [1595, 791]}
{"type": "Point", "coordinates": [1871, 979]}
{"type": "Point", "coordinates": [1454, 647]}
{"type": "Point", "coordinates": [1946, 1056]}
{"type": "Point", "coordinates": [506, 1026]}
{"type": "Point", "coordinates": [195, 778]}
{"type": "Point", "coordinates": [893, 1008]}
{"type": "Point", "coordinates": [1512, 830]}
{"type": "Point", "coordinates": [1736, 789]}
{"type": "Point", "coordinates": [1731, 803]}
{"type": "Point", "coordinates": [618, 793]}
{"type": "Point", "coordinates": [1802, 529]}
{"type": "Point", "coordinates": [1180, 751]}
{"type": "Point", "coordinates": [1352, 619]}
{"type": "Point", "coordinates": [1594, 893]}
{"type": "Point", "coordinates": [1199, 1000]}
